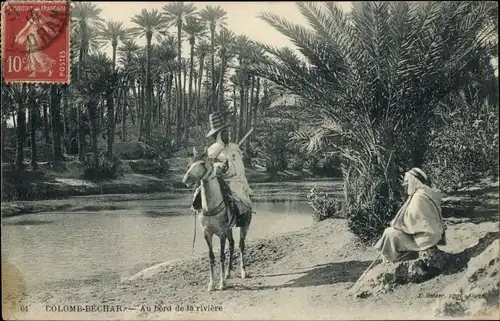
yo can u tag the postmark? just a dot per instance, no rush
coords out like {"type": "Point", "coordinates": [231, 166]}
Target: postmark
{"type": "Point", "coordinates": [35, 41]}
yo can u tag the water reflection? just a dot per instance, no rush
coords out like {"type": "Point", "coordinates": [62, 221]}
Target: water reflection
{"type": "Point", "coordinates": [66, 245]}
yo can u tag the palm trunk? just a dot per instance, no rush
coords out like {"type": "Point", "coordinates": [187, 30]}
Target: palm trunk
{"type": "Point", "coordinates": [235, 102]}
{"type": "Point", "coordinates": [21, 135]}
{"type": "Point", "coordinates": [221, 81]}
{"type": "Point", "coordinates": [65, 118]}
{"type": "Point", "coordinates": [92, 110]}
{"type": "Point", "coordinates": [124, 112]}
{"type": "Point", "coordinates": [180, 102]}
{"type": "Point", "coordinates": [81, 133]}
{"type": "Point", "coordinates": [4, 132]}
{"type": "Point", "coordinates": [161, 96]}
{"type": "Point", "coordinates": [142, 111]}
{"type": "Point", "coordinates": [169, 103]}
{"type": "Point", "coordinates": [46, 123]}
{"type": "Point", "coordinates": [137, 101]}
{"type": "Point", "coordinates": [114, 44]}
{"type": "Point", "coordinates": [33, 121]}
{"type": "Point", "coordinates": [190, 90]}
{"type": "Point", "coordinates": [184, 111]}
{"type": "Point", "coordinates": [149, 88]}
{"type": "Point", "coordinates": [111, 120]}
{"type": "Point", "coordinates": [250, 111]}
{"type": "Point", "coordinates": [242, 107]}
{"type": "Point", "coordinates": [55, 111]}
{"type": "Point", "coordinates": [212, 55]}
{"type": "Point", "coordinates": [178, 113]}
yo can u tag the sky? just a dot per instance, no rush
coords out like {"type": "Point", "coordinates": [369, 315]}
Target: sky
{"type": "Point", "coordinates": [242, 17]}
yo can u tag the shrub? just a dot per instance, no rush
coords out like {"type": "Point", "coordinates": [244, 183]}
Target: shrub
{"type": "Point", "coordinates": [273, 148]}
{"type": "Point", "coordinates": [324, 205]}
{"type": "Point", "coordinates": [101, 168]}
{"type": "Point", "coordinates": [324, 165]}
{"type": "Point", "coordinates": [465, 149]}
{"type": "Point", "coordinates": [371, 202]}
{"type": "Point", "coordinates": [157, 166]}
{"type": "Point", "coordinates": [21, 185]}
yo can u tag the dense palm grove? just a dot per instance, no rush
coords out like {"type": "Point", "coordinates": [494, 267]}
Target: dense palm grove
{"type": "Point", "coordinates": [381, 88]}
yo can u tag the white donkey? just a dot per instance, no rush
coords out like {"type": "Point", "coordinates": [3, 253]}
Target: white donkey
{"type": "Point", "coordinates": [215, 215]}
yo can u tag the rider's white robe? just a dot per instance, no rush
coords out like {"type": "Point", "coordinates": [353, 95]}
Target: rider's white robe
{"type": "Point", "coordinates": [235, 175]}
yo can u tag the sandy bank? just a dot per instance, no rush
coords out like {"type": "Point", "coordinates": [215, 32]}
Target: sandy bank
{"type": "Point", "coordinates": [303, 274]}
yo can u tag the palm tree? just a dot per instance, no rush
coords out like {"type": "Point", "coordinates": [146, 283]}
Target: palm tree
{"type": "Point", "coordinates": [127, 51]}
{"type": "Point", "coordinates": [201, 51]}
{"type": "Point", "coordinates": [256, 56]}
{"type": "Point", "coordinates": [19, 95]}
{"type": "Point", "coordinates": [55, 112]}
{"type": "Point", "coordinates": [376, 76]}
{"type": "Point", "coordinates": [196, 29]}
{"type": "Point", "coordinates": [176, 13]}
{"type": "Point", "coordinates": [214, 16]}
{"type": "Point", "coordinates": [138, 70]}
{"type": "Point", "coordinates": [166, 55]}
{"type": "Point", "coordinates": [98, 79]}
{"type": "Point", "coordinates": [86, 21]}
{"type": "Point", "coordinates": [242, 50]}
{"type": "Point", "coordinates": [225, 42]}
{"type": "Point", "coordinates": [114, 31]}
{"type": "Point", "coordinates": [151, 23]}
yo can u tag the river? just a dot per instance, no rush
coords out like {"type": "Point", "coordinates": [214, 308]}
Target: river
{"type": "Point", "coordinates": [54, 246]}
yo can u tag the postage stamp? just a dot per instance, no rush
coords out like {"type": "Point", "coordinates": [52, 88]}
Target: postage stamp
{"type": "Point", "coordinates": [35, 41]}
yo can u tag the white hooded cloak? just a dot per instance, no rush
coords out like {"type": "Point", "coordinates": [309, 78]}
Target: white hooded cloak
{"type": "Point", "coordinates": [235, 175]}
{"type": "Point", "coordinates": [418, 225]}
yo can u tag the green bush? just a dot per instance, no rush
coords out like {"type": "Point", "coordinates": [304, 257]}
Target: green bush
{"type": "Point", "coordinates": [465, 149]}
{"type": "Point", "coordinates": [324, 205]}
{"type": "Point", "coordinates": [101, 168]}
{"type": "Point", "coordinates": [371, 202]}
{"type": "Point", "coordinates": [324, 165]}
{"type": "Point", "coordinates": [157, 166]}
{"type": "Point", "coordinates": [21, 185]}
{"type": "Point", "coordinates": [272, 147]}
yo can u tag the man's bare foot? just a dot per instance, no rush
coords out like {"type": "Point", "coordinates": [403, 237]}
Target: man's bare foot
{"type": "Point", "coordinates": [50, 72]}
{"type": "Point", "coordinates": [33, 74]}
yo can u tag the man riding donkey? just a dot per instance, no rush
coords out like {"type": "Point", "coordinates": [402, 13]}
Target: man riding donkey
{"type": "Point", "coordinates": [229, 167]}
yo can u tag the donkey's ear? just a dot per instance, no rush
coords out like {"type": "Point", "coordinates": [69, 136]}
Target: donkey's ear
{"type": "Point", "coordinates": [195, 152]}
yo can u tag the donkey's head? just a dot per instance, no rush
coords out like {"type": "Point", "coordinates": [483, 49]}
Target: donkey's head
{"type": "Point", "coordinates": [199, 168]}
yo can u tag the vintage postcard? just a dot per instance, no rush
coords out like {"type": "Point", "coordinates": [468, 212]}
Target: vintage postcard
{"type": "Point", "coordinates": [249, 160]}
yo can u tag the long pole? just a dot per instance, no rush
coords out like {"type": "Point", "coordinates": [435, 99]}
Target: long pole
{"type": "Point", "coordinates": [366, 271]}
{"type": "Point", "coordinates": [245, 137]}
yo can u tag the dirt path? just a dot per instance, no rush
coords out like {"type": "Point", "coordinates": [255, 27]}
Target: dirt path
{"type": "Point", "coordinates": [299, 275]}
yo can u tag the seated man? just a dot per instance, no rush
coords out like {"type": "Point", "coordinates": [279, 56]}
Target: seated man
{"type": "Point", "coordinates": [229, 165]}
{"type": "Point", "coordinates": [418, 226]}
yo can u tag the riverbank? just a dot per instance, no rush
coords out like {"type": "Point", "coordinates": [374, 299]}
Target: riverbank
{"type": "Point", "coordinates": [50, 190]}
{"type": "Point", "coordinates": [298, 275]}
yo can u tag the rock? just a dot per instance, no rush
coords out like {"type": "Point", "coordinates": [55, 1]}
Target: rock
{"type": "Point", "coordinates": [476, 293]}
{"type": "Point", "coordinates": [386, 276]}
{"type": "Point", "coordinates": [134, 150]}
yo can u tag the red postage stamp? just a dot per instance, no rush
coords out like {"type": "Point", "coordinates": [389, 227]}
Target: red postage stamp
{"type": "Point", "coordinates": [35, 41]}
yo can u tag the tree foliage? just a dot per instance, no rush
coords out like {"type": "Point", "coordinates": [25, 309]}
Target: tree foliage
{"type": "Point", "coordinates": [376, 75]}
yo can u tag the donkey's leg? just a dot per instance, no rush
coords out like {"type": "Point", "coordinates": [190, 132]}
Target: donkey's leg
{"type": "Point", "coordinates": [231, 253]}
{"type": "Point", "coordinates": [222, 283]}
{"type": "Point", "coordinates": [211, 257]}
{"type": "Point", "coordinates": [243, 234]}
